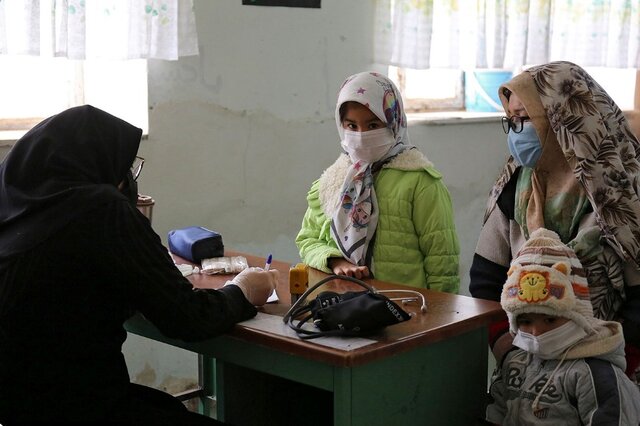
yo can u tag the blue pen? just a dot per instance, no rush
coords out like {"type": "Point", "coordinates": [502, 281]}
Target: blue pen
{"type": "Point", "coordinates": [268, 264]}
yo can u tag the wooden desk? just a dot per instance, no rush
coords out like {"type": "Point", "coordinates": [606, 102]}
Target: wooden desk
{"type": "Point", "coordinates": [431, 369]}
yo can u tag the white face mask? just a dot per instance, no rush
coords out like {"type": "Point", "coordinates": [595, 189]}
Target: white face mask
{"type": "Point", "coordinates": [368, 147]}
{"type": "Point", "coordinates": [552, 344]}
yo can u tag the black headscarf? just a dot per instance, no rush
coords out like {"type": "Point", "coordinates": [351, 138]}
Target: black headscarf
{"type": "Point", "coordinates": [66, 165]}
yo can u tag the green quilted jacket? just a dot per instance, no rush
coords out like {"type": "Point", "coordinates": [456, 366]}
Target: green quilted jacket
{"type": "Point", "coordinates": [416, 242]}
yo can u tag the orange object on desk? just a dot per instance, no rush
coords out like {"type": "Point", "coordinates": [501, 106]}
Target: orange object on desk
{"type": "Point", "coordinates": [298, 281]}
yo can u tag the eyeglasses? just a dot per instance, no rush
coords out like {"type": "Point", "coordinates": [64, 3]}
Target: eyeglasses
{"type": "Point", "coordinates": [514, 123]}
{"type": "Point", "coordinates": [136, 167]}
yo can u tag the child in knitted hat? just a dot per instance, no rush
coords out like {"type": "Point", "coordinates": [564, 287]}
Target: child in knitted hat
{"type": "Point", "coordinates": [566, 367]}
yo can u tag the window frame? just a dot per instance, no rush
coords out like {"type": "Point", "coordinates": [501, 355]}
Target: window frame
{"type": "Point", "coordinates": [75, 82]}
{"type": "Point", "coordinates": [421, 105]}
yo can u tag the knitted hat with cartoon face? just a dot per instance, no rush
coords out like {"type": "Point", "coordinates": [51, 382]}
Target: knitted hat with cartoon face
{"type": "Point", "coordinates": [546, 277]}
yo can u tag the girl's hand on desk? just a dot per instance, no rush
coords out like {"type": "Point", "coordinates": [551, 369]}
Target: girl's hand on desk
{"type": "Point", "coordinates": [256, 284]}
{"type": "Point", "coordinates": [344, 267]}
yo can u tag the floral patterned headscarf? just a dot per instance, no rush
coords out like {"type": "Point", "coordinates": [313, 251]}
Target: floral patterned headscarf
{"type": "Point", "coordinates": [588, 152]}
{"type": "Point", "coordinates": [355, 221]}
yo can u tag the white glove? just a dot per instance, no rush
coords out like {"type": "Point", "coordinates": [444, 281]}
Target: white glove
{"type": "Point", "coordinates": [256, 284]}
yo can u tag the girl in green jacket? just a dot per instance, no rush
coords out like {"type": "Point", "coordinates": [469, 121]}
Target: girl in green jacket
{"type": "Point", "coordinates": [381, 209]}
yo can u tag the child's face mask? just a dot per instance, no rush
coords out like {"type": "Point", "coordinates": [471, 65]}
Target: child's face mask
{"type": "Point", "coordinates": [368, 147]}
{"type": "Point", "coordinates": [553, 343]}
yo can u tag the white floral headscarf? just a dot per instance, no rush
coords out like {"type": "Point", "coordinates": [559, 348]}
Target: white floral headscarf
{"type": "Point", "coordinates": [356, 218]}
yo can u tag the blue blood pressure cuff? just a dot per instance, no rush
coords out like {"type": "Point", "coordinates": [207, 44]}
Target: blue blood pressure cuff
{"type": "Point", "coordinates": [195, 243]}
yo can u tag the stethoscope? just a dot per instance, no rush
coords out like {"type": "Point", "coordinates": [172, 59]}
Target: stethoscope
{"type": "Point", "coordinates": [416, 296]}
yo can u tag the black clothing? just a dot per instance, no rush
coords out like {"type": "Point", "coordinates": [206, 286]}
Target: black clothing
{"type": "Point", "coordinates": [65, 296]}
{"type": "Point", "coordinates": [485, 273]}
{"type": "Point", "coordinates": [60, 169]}
{"type": "Point", "coordinates": [63, 303]}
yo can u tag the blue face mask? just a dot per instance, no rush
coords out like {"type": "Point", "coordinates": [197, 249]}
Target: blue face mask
{"type": "Point", "coordinates": [525, 146]}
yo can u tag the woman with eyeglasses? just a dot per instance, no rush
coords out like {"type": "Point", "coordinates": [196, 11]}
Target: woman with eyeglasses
{"type": "Point", "coordinates": [76, 260]}
{"type": "Point", "coordinates": [573, 169]}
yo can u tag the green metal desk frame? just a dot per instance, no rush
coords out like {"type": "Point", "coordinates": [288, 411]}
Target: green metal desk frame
{"type": "Point", "coordinates": [443, 383]}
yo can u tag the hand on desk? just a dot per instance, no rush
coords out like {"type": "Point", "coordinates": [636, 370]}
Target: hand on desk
{"type": "Point", "coordinates": [256, 284]}
{"type": "Point", "coordinates": [344, 267]}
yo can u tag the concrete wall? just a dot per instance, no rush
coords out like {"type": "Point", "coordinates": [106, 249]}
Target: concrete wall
{"type": "Point", "coordinates": [238, 134]}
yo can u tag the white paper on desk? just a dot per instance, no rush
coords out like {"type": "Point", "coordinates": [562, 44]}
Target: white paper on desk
{"type": "Point", "coordinates": [273, 324]}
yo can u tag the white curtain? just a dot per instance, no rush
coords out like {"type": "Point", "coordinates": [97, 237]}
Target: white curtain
{"type": "Point", "coordinates": [98, 29]}
{"type": "Point", "coordinates": [509, 34]}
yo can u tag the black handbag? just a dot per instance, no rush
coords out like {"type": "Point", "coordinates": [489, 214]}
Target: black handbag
{"type": "Point", "coordinates": [354, 313]}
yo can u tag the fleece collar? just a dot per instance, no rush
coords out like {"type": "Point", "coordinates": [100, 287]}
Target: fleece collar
{"type": "Point", "coordinates": [607, 343]}
{"type": "Point", "coordinates": [332, 179]}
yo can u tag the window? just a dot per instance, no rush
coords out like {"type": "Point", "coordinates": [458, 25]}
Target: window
{"type": "Point", "coordinates": [444, 89]}
{"type": "Point", "coordinates": [620, 84]}
{"type": "Point", "coordinates": [34, 88]}
{"type": "Point", "coordinates": [429, 90]}
{"type": "Point", "coordinates": [497, 35]}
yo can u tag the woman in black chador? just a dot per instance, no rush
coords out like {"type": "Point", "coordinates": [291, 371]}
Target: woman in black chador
{"type": "Point", "coordinates": [76, 260]}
